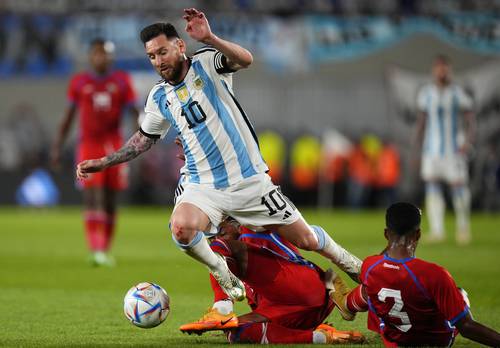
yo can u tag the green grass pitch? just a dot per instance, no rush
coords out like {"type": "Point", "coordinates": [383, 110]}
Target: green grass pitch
{"type": "Point", "coordinates": [50, 296]}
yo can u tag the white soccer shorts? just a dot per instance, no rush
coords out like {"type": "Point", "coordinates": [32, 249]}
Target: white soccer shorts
{"type": "Point", "coordinates": [254, 202]}
{"type": "Point", "coordinates": [451, 169]}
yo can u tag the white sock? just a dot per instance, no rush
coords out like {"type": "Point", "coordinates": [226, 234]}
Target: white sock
{"type": "Point", "coordinates": [435, 206]}
{"type": "Point", "coordinates": [199, 250]}
{"type": "Point", "coordinates": [319, 337]}
{"type": "Point", "coordinates": [336, 253]}
{"type": "Point", "coordinates": [461, 204]}
{"type": "Point", "coordinates": [224, 307]}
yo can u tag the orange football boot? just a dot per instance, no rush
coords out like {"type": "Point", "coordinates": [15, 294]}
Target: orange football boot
{"type": "Point", "coordinates": [212, 320]}
{"type": "Point", "coordinates": [338, 336]}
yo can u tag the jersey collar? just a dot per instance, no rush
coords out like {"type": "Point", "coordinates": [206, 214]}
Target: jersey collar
{"type": "Point", "coordinates": [386, 257]}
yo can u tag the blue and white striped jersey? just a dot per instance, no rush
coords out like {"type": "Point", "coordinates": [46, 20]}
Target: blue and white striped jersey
{"type": "Point", "coordinates": [219, 143]}
{"type": "Point", "coordinates": [444, 127]}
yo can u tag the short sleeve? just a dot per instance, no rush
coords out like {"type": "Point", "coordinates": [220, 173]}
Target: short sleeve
{"type": "Point", "coordinates": [154, 124]}
{"type": "Point", "coordinates": [215, 59]}
{"type": "Point", "coordinates": [447, 296]}
{"type": "Point", "coordinates": [423, 99]}
{"type": "Point", "coordinates": [365, 266]}
{"type": "Point", "coordinates": [73, 89]}
{"type": "Point", "coordinates": [129, 92]}
{"type": "Point", "coordinates": [464, 100]}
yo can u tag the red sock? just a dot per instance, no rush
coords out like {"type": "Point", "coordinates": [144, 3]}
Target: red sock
{"type": "Point", "coordinates": [220, 246]}
{"type": "Point", "coordinates": [109, 230]}
{"type": "Point", "coordinates": [355, 300]}
{"type": "Point", "coordinates": [94, 229]}
{"type": "Point", "coordinates": [263, 333]}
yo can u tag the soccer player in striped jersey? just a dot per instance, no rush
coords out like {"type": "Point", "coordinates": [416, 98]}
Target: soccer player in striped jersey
{"type": "Point", "coordinates": [224, 174]}
{"type": "Point", "coordinates": [446, 126]}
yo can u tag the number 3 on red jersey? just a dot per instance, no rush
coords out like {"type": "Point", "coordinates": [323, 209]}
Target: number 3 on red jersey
{"type": "Point", "coordinates": [396, 308]}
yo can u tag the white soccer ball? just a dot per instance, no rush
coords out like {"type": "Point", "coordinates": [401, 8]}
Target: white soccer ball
{"type": "Point", "coordinates": [146, 305]}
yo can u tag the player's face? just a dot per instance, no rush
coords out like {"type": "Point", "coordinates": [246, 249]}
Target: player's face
{"type": "Point", "coordinates": [229, 230]}
{"type": "Point", "coordinates": [166, 56]}
{"type": "Point", "coordinates": [441, 71]}
{"type": "Point", "coordinates": [100, 59]}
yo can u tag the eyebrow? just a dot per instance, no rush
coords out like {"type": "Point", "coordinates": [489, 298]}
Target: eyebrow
{"type": "Point", "coordinates": [156, 50]}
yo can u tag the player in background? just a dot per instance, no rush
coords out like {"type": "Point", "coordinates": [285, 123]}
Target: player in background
{"type": "Point", "coordinates": [290, 297]}
{"type": "Point", "coordinates": [446, 126]}
{"type": "Point", "coordinates": [100, 97]}
{"type": "Point", "coordinates": [224, 174]}
{"type": "Point", "coordinates": [413, 302]}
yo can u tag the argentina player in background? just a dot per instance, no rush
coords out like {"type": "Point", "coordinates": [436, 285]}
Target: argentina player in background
{"type": "Point", "coordinates": [224, 174]}
{"type": "Point", "coordinates": [446, 127]}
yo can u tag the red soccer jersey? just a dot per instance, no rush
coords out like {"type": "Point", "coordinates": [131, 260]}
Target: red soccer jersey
{"type": "Point", "coordinates": [281, 285]}
{"type": "Point", "coordinates": [101, 101]}
{"type": "Point", "coordinates": [411, 301]}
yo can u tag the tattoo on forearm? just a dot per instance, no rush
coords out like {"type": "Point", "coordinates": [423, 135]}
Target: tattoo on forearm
{"type": "Point", "coordinates": [136, 145]}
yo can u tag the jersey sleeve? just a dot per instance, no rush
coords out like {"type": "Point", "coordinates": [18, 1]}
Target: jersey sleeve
{"type": "Point", "coordinates": [129, 92]}
{"type": "Point", "coordinates": [447, 296]}
{"type": "Point", "coordinates": [215, 59]}
{"type": "Point", "coordinates": [422, 99]}
{"type": "Point", "coordinates": [464, 100]}
{"type": "Point", "coordinates": [73, 89]}
{"type": "Point", "coordinates": [154, 124]}
{"type": "Point", "coordinates": [365, 266]}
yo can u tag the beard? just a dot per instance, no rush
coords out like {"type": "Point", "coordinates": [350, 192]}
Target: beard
{"type": "Point", "coordinates": [171, 73]}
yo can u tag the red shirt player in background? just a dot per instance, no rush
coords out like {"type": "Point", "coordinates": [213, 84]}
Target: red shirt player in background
{"type": "Point", "coordinates": [413, 302]}
{"type": "Point", "coordinates": [290, 296]}
{"type": "Point", "coordinates": [101, 96]}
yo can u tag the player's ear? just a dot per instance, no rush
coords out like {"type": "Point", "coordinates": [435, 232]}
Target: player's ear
{"type": "Point", "coordinates": [417, 234]}
{"type": "Point", "coordinates": [182, 45]}
{"type": "Point", "coordinates": [386, 233]}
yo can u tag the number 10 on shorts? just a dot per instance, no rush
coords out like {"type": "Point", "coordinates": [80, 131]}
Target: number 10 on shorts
{"type": "Point", "coordinates": [276, 202]}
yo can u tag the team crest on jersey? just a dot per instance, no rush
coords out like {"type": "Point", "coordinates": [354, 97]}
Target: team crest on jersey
{"type": "Point", "coordinates": [198, 82]}
{"type": "Point", "coordinates": [182, 94]}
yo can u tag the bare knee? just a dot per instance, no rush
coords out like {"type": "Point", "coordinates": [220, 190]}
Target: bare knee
{"type": "Point", "coordinates": [183, 228]}
{"type": "Point", "coordinates": [186, 222]}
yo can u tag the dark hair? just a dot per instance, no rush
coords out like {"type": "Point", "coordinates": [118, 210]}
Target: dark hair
{"type": "Point", "coordinates": [442, 58]}
{"type": "Point", "coordinates": [156, 29]}
{"type": "Point", "coordinates": [98, 41]}
{"type": "Point", "coordinates": [403, 218]}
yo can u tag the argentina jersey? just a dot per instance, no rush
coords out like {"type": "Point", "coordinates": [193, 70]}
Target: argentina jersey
{"type": "Point", "coordinates": [443, 108]}
{"type": "Point", "coordinates": [219, 143]}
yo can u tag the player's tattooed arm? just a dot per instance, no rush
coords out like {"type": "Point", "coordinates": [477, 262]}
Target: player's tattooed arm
{"type": "Point", "coordinates": [136, 145]}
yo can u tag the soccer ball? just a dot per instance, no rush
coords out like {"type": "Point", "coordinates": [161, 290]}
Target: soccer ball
{"type": "Point", "coordinates": [146, 305]}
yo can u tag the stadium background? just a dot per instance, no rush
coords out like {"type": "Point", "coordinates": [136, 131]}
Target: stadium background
{"type": "Point", "coordinates": [328, 75]}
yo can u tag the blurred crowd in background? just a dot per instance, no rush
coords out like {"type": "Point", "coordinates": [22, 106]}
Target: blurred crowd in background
{"type": "Point", "coordinates": [335, 120]}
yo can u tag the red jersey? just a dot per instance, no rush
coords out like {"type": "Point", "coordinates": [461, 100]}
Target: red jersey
{"type": "Point", "coordinates": [411, 301]}
{"type": "Point", "coordinates": [281, 285]}
{"type": "Point", "coordinates": [101, 101]}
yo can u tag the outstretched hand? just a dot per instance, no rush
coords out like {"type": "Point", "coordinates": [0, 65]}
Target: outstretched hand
{"type": "Point", "coordinates": [197, 25]}
{"type": "Point", "coordinates": [84, 168]}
